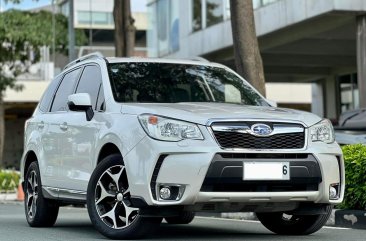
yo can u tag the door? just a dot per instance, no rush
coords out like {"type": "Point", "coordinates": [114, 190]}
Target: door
{"type": "Point", "coordinates": [56, 144]}
{"type": "Point", "coordinates": [83, 134]}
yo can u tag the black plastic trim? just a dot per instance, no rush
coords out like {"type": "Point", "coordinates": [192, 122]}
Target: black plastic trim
{"type": "Point", "coordinates": [225, 173]}
{"type": "Point", "coordinates": [138, 202]}
{"type": "Point", "coordinates": [158, 165]}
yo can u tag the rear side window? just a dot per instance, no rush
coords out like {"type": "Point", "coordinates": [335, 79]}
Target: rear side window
{"type": "Point", "coordinates": [46, 100]}
{"type": "Point", "coordinates": [90, 82]}
{"type": "Point", "coordinates": [64, 90]}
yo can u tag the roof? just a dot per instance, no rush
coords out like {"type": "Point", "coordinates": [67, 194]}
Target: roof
{"type": "Point", "coordinates": [193, 61]}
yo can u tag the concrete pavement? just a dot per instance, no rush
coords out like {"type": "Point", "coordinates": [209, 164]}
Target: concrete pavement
{"type": "Point", "coordinates": [74, 224]}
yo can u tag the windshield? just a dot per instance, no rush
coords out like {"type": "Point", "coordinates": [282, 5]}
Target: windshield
{"type": "Point", "coordinates": [172, 83]}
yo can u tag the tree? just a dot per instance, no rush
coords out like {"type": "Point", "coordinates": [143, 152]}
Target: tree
{"type": "Point", "coordinates": [21, 35]}
{"type": "Point", "coordinates": [248, 60]}
{"type": "Point", "coordinates": [124, 30]}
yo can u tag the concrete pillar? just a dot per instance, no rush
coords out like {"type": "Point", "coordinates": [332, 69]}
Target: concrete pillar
{"type": "Point", "coordinates": [317, 96]}
{"type": "Point", "coordinates": [361, 59]}
{"type": "Point", "coordinates": [330, 97]}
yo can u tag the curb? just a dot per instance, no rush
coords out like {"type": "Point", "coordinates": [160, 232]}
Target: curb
{"type": "Point", "coordinates": [350, 219]}
{"type": "Point", "coordinates": [355, 219]}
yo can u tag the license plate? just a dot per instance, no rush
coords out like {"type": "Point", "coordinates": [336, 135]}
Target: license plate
{"type": "Point", "coordinates": [266, 171]}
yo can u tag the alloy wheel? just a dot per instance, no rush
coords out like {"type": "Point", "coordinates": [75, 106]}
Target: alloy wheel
{"type": "Point", "coordinates": [32, 194]}
{"type": "Point", "coordinates": [112, 198]}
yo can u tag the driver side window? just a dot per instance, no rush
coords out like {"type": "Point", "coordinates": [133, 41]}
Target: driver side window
{"type": "Point", "coordinates": [91, 83]}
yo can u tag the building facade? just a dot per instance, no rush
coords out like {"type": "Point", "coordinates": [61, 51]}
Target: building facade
{"type": "Point", "coordinates": [312, 42]}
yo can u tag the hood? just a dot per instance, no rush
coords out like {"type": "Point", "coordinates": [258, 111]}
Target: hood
{"type": "Point", "coordinates": [201, 113]}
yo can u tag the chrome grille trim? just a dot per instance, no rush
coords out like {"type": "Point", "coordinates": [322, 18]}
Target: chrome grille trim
{"type": "Point", "coordinates": [277, 129]}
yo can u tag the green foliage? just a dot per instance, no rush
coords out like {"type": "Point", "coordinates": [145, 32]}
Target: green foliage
{"type": "Point", "coordinates": [9, 180]}
{"type": "Point", "coordinates": [21, 35]}
{"type": "Point", "coordinates": [355, 164]}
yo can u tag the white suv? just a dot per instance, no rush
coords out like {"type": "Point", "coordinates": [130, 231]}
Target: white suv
{"type": "Point", "coordinates": [139, 140]}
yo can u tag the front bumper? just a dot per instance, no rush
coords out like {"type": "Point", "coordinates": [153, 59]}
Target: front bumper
{"type": "Point", "coordinates": [187, 163]}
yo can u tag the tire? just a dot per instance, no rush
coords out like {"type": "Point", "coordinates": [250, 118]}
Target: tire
{"type": "Point", "coordinates": [185, 218]}
{"type": "Point", "coordinates": [107, 195]}
{"type": "Point", "coordinates": [280, 223]}
{"type": "Point", "coordinates": [39, 211]}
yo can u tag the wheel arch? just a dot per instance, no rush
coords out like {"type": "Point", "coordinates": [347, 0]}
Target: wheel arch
{"type": "Point", "coordinates": [107, 149]}
{"type": "Point", "coordinates": [29, 158]}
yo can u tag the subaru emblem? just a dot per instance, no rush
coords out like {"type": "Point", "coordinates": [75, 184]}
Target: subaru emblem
{"type": "Point", "coordinates": [261, 129]}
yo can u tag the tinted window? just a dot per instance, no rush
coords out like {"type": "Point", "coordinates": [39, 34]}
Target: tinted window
{"type": "Point", "coordinates": [90, 82]}
{"type": "Point", "coordinates": [64, 90]}
{"type": "Point", "coordinates": [48, 95]}
{"type": "Point", "coordinates": [171, 83]}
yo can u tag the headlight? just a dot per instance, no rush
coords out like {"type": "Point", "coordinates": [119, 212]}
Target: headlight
{"type": "Point", "coordinates": [166, 129]}
{"type": "Point", "coordinates": [322, 131]}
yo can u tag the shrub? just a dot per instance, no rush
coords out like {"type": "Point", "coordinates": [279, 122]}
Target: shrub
{"type": "Point", "coordinates": [9, 180]}
{"type": "Point", "coordinates": [355, 164]}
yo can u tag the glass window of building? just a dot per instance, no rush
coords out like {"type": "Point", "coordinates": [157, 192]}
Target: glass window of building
{"type": "Point", "coordinates": [83, 17]}
{"type": "Point", "coordinates": [348, 92]}
{"type": "Point", "coordinates": [196, 15]}
{"type": "Point", "coordinates": [97, 18]}
{"type": "Point", "coordinates": [100, 18]}
{"type": "Point", "coordinates": [214, 12]}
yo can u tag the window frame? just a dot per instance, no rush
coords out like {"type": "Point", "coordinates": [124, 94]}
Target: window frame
{"type": "Point", "coordinates": [58, 78]}
{"type": "Point", "coordinates": [59, 84]}
{"type": "Point", "coordinates": [100, 85]}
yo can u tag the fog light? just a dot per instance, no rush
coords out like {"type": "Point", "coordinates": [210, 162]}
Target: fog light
{"type": "Point", "coordinates": [165, 193]}
{"type": "Point", "coordinates": [334, 191]}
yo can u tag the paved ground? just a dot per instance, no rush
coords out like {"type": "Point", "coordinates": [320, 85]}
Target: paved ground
{"type": "Point", "coordinates": [74, 224]}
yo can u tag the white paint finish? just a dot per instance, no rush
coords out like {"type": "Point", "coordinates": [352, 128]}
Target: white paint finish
{"type": "Point", "coordinates": [67, 156]}
{"type": "Point", "coordinates": [80, 99]}
{"type": "Point", "coordinates": [201, 112]}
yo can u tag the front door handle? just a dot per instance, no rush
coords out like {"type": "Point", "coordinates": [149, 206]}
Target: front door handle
{"type": "Point", "coordinates": [40, 125]}
{"type": "Point", "coordinates": [63, 126]}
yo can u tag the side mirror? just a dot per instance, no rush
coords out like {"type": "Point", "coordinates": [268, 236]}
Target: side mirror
{"type": "Point", "coordinates": [272, 103]}
{"type": "Point", "coordinates": [81, 102]}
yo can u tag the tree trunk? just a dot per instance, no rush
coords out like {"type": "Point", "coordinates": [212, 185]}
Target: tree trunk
{"type": "Point", "coordinates": [129, 29]}
{"type": "Point", "coordinates": [118, 28]}
{"type": "Point", "coordinates": [124, 30]}
{"type": "Point", "coordinates": [248, 60]}
{"type": "Point", "coordinates": [2, 131]}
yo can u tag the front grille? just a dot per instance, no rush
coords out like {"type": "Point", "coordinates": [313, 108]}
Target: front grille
{"type": "Point", "coordinates": [239, 135]}
{"type": "Point", "coordinates": [247, 141]}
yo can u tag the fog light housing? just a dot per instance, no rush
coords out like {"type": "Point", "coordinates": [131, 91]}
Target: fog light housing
{"type": "Point", "coordinates": [170, 192]}
{"type": "Point", "coordinates": [165, 193]}
{"type": "Point", "coordinates": [334, 191]}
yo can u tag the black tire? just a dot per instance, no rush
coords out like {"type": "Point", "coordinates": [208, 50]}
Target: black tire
{"type": "Point", "coordinates": [45, 211]}
{"type": "Point", "coordinates": [185, 218]}
{"type": "Point", "coordinates": [295, 224]}
{"type": "Point", "coordinates": [138, 227]}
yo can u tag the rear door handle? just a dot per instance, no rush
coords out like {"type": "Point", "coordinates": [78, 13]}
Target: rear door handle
{"type": "Point", "coordinates": [63, 126]}
{"type": "Point", "coordinates": [41, 125]}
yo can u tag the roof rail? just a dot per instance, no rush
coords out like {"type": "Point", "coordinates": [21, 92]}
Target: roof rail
{"type": "Point", "coordinates": [198, 58]}
{"type": "Point", "coordinates": [83, 58]}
